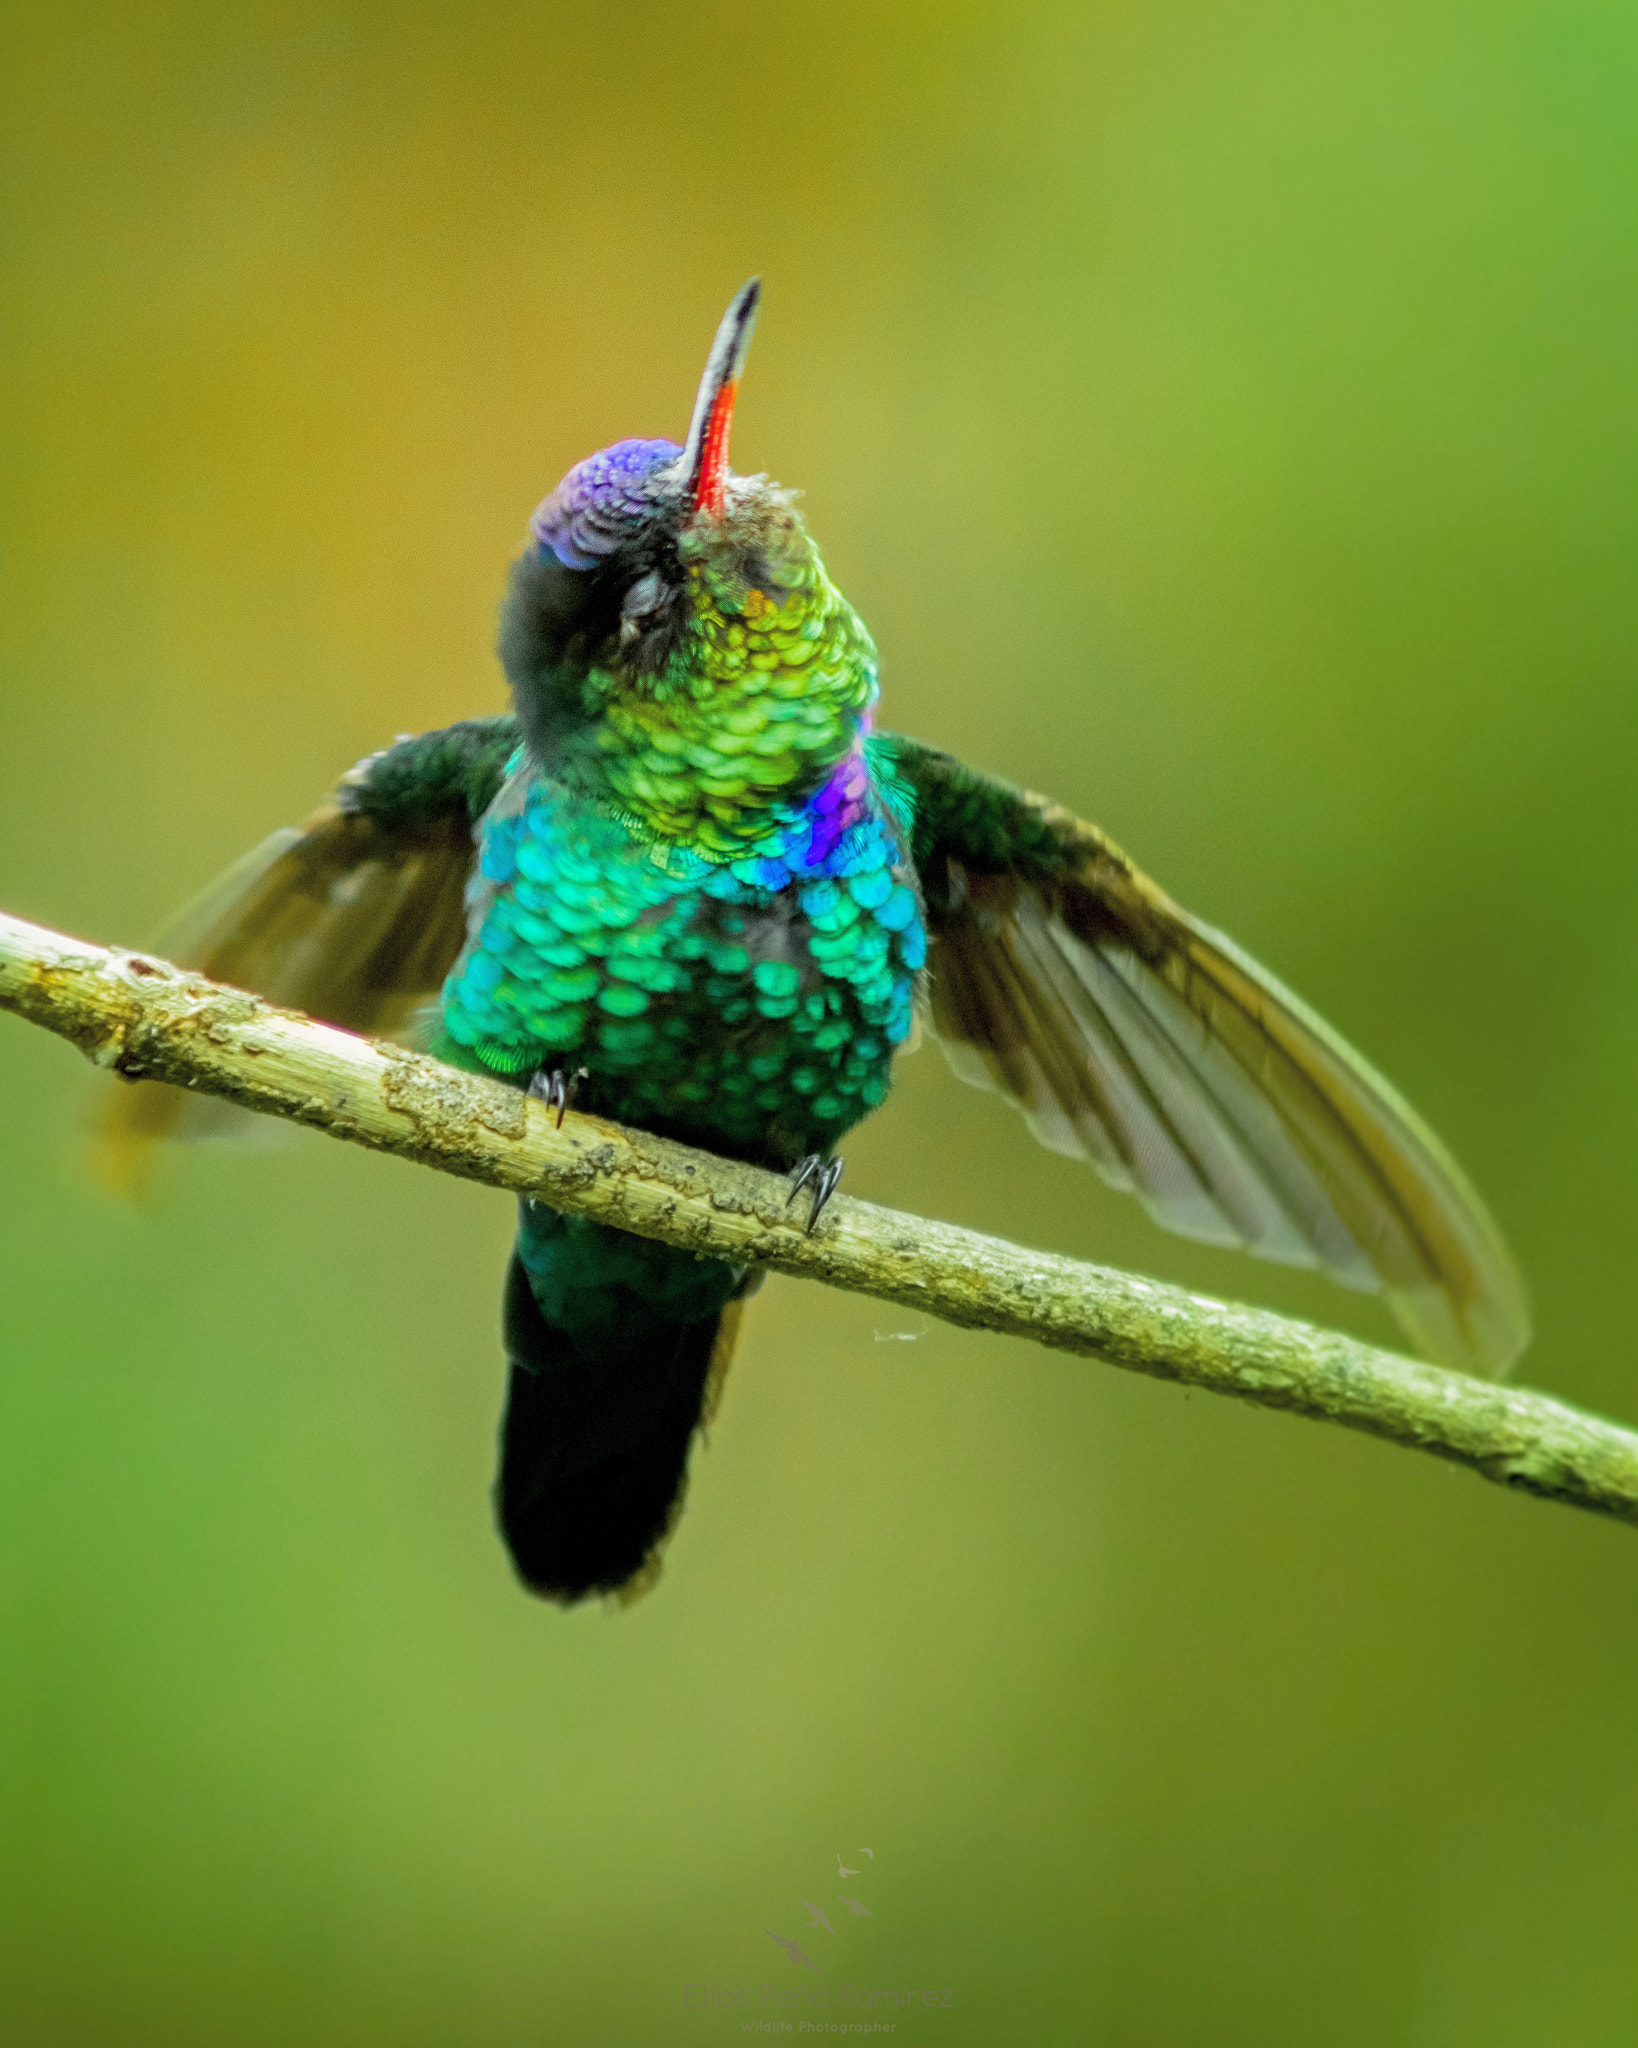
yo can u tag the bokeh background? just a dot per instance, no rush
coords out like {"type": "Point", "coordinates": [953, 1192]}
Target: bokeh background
{"type": "Point", "coordinates": [1222, 410]}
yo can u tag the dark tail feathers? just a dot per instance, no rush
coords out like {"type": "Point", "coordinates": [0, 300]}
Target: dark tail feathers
{"type": "Point", "coordinates": [595, 1442]}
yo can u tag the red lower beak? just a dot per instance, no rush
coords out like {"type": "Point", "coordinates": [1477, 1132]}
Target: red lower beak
{"type": "Point", "coordinates": [705, 456]}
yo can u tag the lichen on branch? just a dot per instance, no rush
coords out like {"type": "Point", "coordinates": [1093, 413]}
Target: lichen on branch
{"type": "Point", "coordinates": [143, 1017]}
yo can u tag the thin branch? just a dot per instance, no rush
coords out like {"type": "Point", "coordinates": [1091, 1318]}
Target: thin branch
{"type": "Point", "coordinates": [141, 1016]}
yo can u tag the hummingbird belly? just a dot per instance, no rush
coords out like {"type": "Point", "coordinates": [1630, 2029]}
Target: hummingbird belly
{"type": "Point", "coordinates": [753, 1006]}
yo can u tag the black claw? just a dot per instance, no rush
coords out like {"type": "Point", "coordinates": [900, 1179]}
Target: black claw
{"type": "Point", "coordinates": [824, 1174]}
{"type": "Point", "coordinates": [557, 1090]}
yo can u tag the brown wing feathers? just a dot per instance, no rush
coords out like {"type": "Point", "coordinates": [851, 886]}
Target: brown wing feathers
{"type": "Point", "coordinates": [348, 919]}
{"type": "Point", "coordinates": [1136, 1037]}
{"type": "Point", "coordinates": [354, 923]}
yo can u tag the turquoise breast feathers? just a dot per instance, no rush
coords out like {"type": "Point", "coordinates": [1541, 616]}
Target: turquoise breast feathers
{"type": "Point", "coordinates": [755, 1003]}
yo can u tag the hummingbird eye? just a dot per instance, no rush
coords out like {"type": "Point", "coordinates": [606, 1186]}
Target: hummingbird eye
{"type": "Point", "coordinates": [646, 598]}
{"type": "Point", "coordinates": [646, 595]}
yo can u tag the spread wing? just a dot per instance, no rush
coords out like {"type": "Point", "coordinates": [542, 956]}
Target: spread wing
{"type": "Point", "coordinates": [1134, 1036]}
{"type": "Point", "coordinates": [355, 917]}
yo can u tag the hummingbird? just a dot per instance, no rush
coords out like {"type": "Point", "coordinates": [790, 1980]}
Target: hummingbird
{"type": "Point", "coordinates": [687, 883]}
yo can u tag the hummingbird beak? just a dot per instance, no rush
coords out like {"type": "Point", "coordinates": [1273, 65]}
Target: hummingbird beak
{"type": "Point", "coordinates": [705, 454]}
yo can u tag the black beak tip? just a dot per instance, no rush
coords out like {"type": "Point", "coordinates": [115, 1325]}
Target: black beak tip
{"type": "Point", "coordinates": [737, 323]}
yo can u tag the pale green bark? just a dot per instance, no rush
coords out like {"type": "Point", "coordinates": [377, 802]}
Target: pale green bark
{"type": "Point", "coordinates": [138, 1015]}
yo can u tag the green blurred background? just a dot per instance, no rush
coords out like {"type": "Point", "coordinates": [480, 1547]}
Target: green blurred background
{"type": "Point", "coordinates": [1223, 414]}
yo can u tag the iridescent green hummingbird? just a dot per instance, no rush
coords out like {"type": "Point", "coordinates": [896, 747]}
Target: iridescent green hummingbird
{"type": "Point", "coordinates": [687, 878]}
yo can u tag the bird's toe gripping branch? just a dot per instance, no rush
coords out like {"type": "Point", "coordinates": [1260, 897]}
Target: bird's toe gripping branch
{"type": "Point", "coordinates": [819, 1173]}
{"type": "Point", "coordinates": [557, 1089]}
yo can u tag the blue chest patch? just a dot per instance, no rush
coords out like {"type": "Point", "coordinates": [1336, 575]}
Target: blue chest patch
{"type": "Point", "coordinates": [754, 1005]}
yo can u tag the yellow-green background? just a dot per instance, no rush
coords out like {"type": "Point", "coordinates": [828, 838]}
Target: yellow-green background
{"type": "Point", "coordinates": [1224, 416]}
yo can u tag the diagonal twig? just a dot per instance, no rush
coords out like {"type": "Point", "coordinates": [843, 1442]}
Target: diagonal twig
{"type": "Point", "coordinates": [141, 1016]}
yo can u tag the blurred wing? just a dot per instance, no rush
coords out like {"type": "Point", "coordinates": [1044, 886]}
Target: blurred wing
{"type": "Point", "coordinates": [350, 919]}
{"type": "Point", "coordinates": [355, 918]}
{"type": "Point", "coordinates": [1132, 1035]}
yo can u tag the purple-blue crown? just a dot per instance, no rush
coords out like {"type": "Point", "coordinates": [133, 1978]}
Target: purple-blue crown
{"type": "Point", "coordinates": [591, 511]}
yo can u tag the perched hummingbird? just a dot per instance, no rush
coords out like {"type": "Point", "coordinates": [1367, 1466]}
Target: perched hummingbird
{"type": "Point", "coordinates": [687, 878]}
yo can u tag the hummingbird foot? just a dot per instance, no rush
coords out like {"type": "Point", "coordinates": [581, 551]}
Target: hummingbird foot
{"type": "Point", "coordinates": [557, 1089]}
{"type": "Point", "coordinates": [819, 1173]}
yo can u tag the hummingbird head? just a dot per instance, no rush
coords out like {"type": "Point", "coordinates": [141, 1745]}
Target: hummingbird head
{"type": "Point", "coordinates": [673, 643]}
